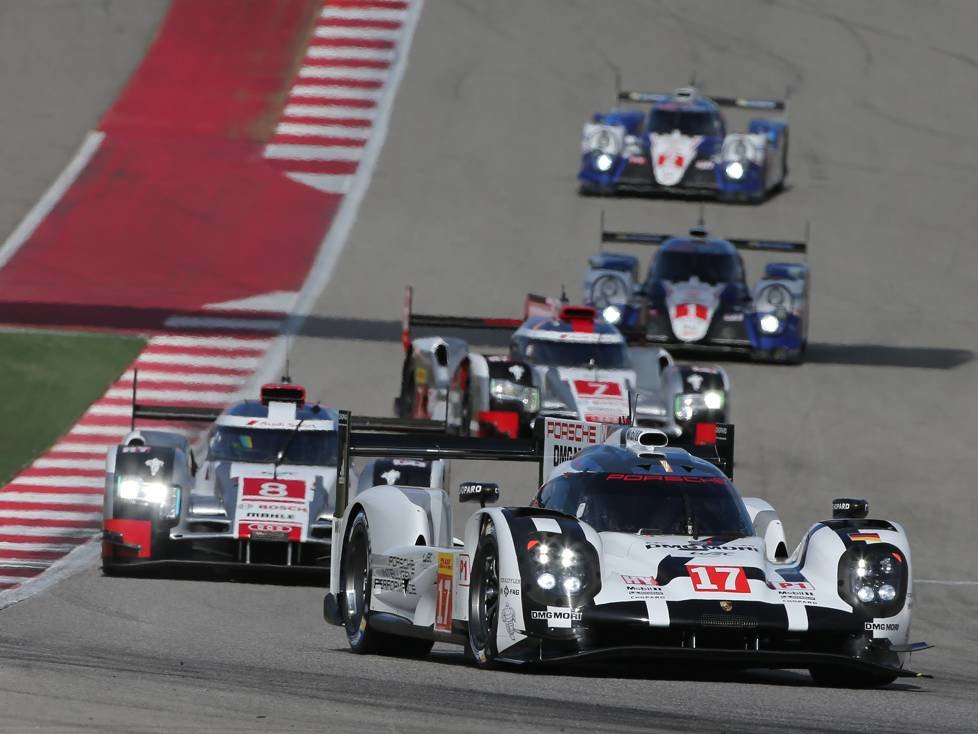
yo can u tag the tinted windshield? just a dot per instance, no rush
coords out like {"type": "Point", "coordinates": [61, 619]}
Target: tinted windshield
{"type": "Point", "coordinates": [713, 268]}
{"type": "Point", "coordinates": [648, 503]}
{"type": "Point", "coordinates": [685, 121]}
{"type": "Point", "coordinates": [568, 354]}
{"type": "Point", "coordinates": [313, 448]}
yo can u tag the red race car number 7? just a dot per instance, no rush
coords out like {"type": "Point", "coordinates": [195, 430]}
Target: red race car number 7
{"type": "Point", "coordinates": [730, 579]}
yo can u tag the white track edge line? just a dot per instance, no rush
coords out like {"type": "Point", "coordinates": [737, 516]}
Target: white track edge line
{"type": "Point", "coordinates": [51, 197]}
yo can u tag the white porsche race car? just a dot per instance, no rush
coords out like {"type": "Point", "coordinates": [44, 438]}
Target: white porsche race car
{"type": "Point", "coordinates": [631, 550]}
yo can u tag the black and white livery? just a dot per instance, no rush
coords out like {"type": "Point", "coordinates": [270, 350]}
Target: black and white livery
{"type": "Point", "coordinates": [630, 550]}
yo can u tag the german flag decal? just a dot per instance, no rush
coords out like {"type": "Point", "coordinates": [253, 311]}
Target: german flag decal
{"type": "Point", "coordinates": [865, 537]}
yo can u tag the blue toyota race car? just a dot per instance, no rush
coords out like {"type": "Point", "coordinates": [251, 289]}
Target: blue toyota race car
{"type": "Point", "coordinates": [681, 145]}
{"type": "Point", "coordinates": [695, 295]}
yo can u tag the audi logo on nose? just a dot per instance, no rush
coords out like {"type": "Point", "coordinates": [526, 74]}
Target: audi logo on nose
{"type": "Point", "coordinates": [267, 527]}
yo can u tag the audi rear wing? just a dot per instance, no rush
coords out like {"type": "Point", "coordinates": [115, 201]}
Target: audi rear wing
{"type": "Point", "coordinates": [534, 306]}
{"type": "Point", "coordinates": [193, 414]}
{"type": "Point", "coordinates": [373, 440]}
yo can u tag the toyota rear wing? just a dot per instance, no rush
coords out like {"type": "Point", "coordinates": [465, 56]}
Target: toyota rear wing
{"type": "Point", "coordinates": [744, 103]}
{"type": "Point", "coordinates": [787, 247]}
{"type": "Point", "coordinates": [534, 305]}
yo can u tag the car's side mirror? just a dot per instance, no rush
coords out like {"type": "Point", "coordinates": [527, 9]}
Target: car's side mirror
{"type": "Point", "coordinates": [481, 492]}
{"type": "Point", "coordinates": [850, 508]}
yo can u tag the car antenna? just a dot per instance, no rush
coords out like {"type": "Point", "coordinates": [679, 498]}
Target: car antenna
{"type": "Point", "coordinates": [617, 86]}
{"type": "Point", "coordinates": [632, 407]}
{"type": "Point", "coordinates": [287, 376]}
{"type": "Point", "coordinates": [564, 300]}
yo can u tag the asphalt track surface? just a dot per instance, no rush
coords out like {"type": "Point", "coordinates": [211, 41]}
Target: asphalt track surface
{"type": "Point", "coordinates": [473, 203]}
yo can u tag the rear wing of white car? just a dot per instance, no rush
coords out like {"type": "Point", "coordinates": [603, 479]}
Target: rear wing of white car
{"type": "Point", "coordinates": [534, 305]}
{"type": "Point", "coordinates": [556, 440]}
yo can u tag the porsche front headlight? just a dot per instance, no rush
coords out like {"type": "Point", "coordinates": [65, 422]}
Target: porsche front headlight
{"type": "Point", "coordinates": [873, 575]}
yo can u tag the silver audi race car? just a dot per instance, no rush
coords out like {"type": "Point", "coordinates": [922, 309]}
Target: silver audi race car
{"type": "Point", "coordinates": [563, 361]}
{"type": "Point", "coordinates": [262, 496]}
{"type": "Point", "coordinates": [631, 550]}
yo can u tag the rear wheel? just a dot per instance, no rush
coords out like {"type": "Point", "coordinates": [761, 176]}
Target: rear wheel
{"type": "Point", "coordinates": [836, 678]}
{"type": "Point", "coordinates": [484, 599]}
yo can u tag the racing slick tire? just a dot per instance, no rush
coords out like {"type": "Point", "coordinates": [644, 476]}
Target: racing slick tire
{"type": "Point", "coordinates": [354, 600]}
{"type": "Point", "coordinates": [484, 599]}
{"type": "Point", "coordinates": [835, 678]}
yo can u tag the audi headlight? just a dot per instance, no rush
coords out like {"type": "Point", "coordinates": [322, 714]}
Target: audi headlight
{"type": "Point", "coordinates": [735, 170]}
{"type": "Point", "coordinates": [163, 496]}
{"type": "Point", "coordinates": [874, 576]}
{"type": "Point", "coordinates": [508, 391]}
{"type": "Point", "coordinates": [713, 399]}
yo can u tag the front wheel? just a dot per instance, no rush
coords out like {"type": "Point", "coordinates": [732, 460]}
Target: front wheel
{"type": "Point", "coordinates": [354, 600]}
{"type": "Point", "coordinates": [484, 600]}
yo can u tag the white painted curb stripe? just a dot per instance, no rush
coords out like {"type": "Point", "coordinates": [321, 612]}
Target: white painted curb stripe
{"type": "Point", "coordinates": [49, 481]}
{"type": "Point", "coordinates": [343, 72]}
{"type": "Point", "coordinates": [68, 498]}
{"type": "Point", "coordinates": [326, 131]}
{"type": "Point", "coordinates": [352, 33]}
{"type": "Point", "coordinates": [289, 151]}
{"type": "Point", "coordinates": [350, 52]}
{"type": "Point", "coordinates": [193, 360]}
{"type": "Point", "coordinates": [363, 13]}
{"type": "Point", "coordinates": [90, 430]}
{"type": "Point", "coordinates": [327, 182]}
{"type": "Point", "coordinates": [335, 91]}
{"type": "Point", "coordinates": [102, 409]}
{"type": "Point", "coordinates": [210, 342]}
{"type": "Point", "coordinates": [43, 463]}
{"type": "Point", "coordinates": [192, 378]}
{"type": "Point", "coordinates": [94, 513]}
{"type": "Point", "coordinates": [30, 531]}
{"type": "Point", "coordinates": [334, 111]}
{"type": "Point", "coordinates": [51, 197]}
{"type": "Point", "coordinates": [172, 396]}
{"type": "Point", "coordinates": [67, 447]}
{"type": "Point", "coordinates": [48, 547]}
